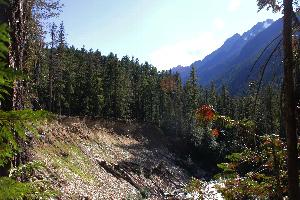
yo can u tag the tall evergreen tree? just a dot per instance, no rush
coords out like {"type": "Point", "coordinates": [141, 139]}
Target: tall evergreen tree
{"type": "Point", "coordinates": [52, 65]}
{"type": "Point", "coordinates": [191, 97]}
{"type": "Point", "coordinates": [59, 83]}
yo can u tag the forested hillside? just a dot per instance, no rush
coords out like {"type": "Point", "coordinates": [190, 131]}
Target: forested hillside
{"type": "Point", "coordinates": [118, 128]}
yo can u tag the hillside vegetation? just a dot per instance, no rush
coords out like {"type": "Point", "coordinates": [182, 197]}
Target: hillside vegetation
{"type": "Point", "coordinates": [77, 124]}
{"type": "Point", "coordinates": [99, 159]}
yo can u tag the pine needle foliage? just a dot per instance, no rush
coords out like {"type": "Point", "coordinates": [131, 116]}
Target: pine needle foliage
{"type": "Point", "coordinates": [17, 124]}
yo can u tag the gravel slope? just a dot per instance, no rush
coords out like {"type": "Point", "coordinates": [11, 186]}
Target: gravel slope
{"type": "Point", "coordinates": [98, 159]}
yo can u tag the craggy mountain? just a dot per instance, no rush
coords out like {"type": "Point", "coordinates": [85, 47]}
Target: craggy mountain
{"type": "Point", "coordinates": [231, 63]}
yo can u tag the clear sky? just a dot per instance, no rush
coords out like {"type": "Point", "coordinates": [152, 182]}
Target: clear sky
{"type": "Point", "coordinates": [166, 33]}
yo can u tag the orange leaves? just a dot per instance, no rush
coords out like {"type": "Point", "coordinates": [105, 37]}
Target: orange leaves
{"type": "Point", "coordinates": [267, 142]}
{"type": "Point", "coordinates": [273, 141]}
{"type": "Point", "coordinates": [168, 84]}
{"type": "Point", "coordinates": [215, 132]}
{"type": "Point", "coordinates": [205, 114]}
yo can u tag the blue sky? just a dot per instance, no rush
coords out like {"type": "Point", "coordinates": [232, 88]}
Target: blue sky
{"type": "Point", "coordinates": [166, 33]}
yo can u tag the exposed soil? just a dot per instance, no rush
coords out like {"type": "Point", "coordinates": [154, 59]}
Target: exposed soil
{"type": "Point", "coordinates": [101, 159]}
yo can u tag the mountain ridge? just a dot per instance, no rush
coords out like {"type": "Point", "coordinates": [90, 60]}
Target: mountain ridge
{"type": "Point", "coordinates": [237, 54]}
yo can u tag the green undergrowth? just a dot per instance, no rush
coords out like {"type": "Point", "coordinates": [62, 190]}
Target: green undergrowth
{"type": "Point", "coordinates": [31, 186]}
{"type": "Point", "coordinates": [11, 189]}
{"type": "Point", "coordinates": [70, 157]}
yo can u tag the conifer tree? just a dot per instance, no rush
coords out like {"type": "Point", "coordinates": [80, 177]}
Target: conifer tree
{"type": "Point", "coordinates": [52, 65]}
{"type": "Point", "coordinates": [59, 68]}
{"type": "Point", "coordinates": [124, 89]}
{"type": "Point", "coordinates": [212, 99]}
{"type": "Point", "coordinates": [191, 97]}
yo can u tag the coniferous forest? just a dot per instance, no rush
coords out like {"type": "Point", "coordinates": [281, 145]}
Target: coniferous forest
{"type": "Point", "coordinates": [249, 141]}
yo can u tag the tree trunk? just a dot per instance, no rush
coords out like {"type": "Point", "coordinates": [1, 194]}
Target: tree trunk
{"type": "Point", "coordinates": [297, 88]}
{"type": "Point", "coordinates": [16, 24]}
{"type": "Point", "coordinates": [51, 69]}
{"type": "Point", "coordinates": [289, 103]}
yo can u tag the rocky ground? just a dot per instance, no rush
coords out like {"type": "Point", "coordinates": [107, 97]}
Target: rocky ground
{"type": "Point", "coordinates": [98, 159]}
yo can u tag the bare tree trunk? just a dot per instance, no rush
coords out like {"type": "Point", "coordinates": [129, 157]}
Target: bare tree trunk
{"type": "Point", "coordinates": [19, 12]}
{"type": "Point", "coordinates": [13, 14]}
{"type": "Point", "coordinates": [289, 103]}
{"type": "Point", "coordinates": [51, 68]}
{"type": "Point", "coordinates": [297, 88]}
{"type": "Point", "coordinates": [17, 22]}
{"type": "Point", "coordinates": [50, 106]}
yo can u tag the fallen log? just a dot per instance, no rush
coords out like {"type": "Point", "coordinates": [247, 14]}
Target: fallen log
{"type": "Point", "coordinates": [118, 172]}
